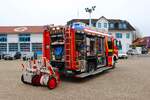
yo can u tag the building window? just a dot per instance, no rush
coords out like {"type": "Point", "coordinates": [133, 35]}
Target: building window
{"type": "Point", "coordinates": [3, 38]}
{"type": "Point", "coordinates": [116, 25]}
{"type": "Point", "coordinates": [109, 33]}
{"type": "Point", "coordinates": [119, 44]}
{"type": "Point", "coordinates": [24, 37]}
{"type": "Point", "coordinates": [13, 47]}
{"type": "Point", "coordinates": [99, 25]}
{"type": "Point", "coordinates": [3, 47]}
{"type": "Point", "coordinates": [105, 25]}
{"type": "Point", "coordinates": [111, 25]}
{"type": "Point", "coordinates": [120, 26]}
{"type": "Point", "coordinates": [94, 24]}
{"type": "Point", "coordinates": [25, 47]}
{"type": "Point", "coordinates": [128, 35]}
{"type": "Point", "coordinates": [37, 47]}
{"type": "Point", "coordinates": [118, 35]}
{"type": "Point", "coordinates": [124, 26]}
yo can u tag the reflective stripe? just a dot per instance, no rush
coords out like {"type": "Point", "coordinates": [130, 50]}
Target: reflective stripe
{"type": "Point", "coordinates": [110, 50]}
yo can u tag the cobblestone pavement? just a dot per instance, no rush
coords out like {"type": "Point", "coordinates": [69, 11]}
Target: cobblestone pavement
{"type": "Point", "coordinates": [129, 81]}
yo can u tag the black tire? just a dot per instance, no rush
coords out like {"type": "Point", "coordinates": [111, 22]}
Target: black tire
{"type": "Point", "coordinates": [91, 67]}
{"type": "Point", "coordinates": [114, 63]}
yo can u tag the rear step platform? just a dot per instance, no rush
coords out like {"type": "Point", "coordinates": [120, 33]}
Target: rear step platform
{"type": "Point", "coordinates": [82, 75]}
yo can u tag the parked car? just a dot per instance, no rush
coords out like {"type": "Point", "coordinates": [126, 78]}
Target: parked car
{"type": "Point", "coordinates": [2, 55]}
{"type": "Point", "coordinates": [132, 52]}
{"type": "Point", "coordinates": [144, 50]}
{"type": "Point", "coordinates": [12, 56]}
{"type": "Point", "coordinates": [29, 55]}
{"type": "Point", "coordinates": [122, 55]}
{"type": "Point", "coordinates": [17, 55]}
{"type": "Point", "coordinates": [9, 56]}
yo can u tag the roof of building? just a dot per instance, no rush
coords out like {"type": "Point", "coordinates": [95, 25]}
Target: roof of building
{"type": "Point", "coordinates": [21, 29]}
{"type": "Point", "coordinates": [145, 41]}
{"type": "Point", "coordinates": [114, 21]}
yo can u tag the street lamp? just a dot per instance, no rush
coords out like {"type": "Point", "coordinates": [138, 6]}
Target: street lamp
{"type": "Point", "coordinates": [90, 10]}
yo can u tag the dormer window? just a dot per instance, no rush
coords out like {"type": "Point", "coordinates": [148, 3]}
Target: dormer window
{"type": "Point", "coordinates": [116, 25]}
{"type": "Point", "coordinates": [124, 26]}
{"type": "Point", "coordinates": [111, 25]}
{"type": "Point", "coordinates": [120, 26]}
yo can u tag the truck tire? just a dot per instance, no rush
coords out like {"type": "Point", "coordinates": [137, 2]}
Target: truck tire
{"type": "Point", "coordinates": [91, 67]}
{"type": "Point", "coordinates": [52, 83]}
{"type": "Point", "coordinates": [114, 63]}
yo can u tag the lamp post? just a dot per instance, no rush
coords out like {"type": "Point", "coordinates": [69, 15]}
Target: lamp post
{"type": "Point", "coordinates": [90, 10]}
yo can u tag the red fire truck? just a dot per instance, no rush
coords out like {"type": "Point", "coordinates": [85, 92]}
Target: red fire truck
{"type": "Point", "coordinates": [78, 50]}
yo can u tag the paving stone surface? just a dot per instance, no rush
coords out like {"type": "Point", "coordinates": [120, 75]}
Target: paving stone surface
{"type": "Point", "coordinates": [130, 80]}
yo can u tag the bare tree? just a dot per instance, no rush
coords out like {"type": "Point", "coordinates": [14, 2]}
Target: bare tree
{"type": "Point", "coordinates": [138, 33]}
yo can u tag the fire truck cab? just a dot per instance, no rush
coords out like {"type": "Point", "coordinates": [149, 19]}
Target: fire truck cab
{"type": "Point", "coordinates": [79, 50]}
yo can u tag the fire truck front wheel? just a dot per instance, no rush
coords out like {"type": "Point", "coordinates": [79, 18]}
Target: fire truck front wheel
{"type": "Point", "coordinates": [52, 83]}
{"type": "Point", "coordinates": [114, 62]}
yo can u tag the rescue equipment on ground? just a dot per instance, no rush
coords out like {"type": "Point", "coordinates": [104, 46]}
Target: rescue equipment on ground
{"type": "Point", "coordinates": [40, 73]}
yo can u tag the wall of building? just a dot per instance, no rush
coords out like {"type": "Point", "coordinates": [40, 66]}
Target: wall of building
{"type": "Point", "coordinates": [14, 45]}
{"type": "Point", "coordinates": [102, 23]}
{"type": "Point", "coordinates": [37, 38]}
{"type": "Point", "coordinates": [12, 38]}
{"type": "Point", "coordinates": [126, 42]}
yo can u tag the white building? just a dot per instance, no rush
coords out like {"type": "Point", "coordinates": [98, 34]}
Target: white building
{"type": "Point", "coordinates": [121, 29]}
{"type": "Point", "coordinates": [21, 38]}
{"type": "Point", "coordinates": [29, 38]}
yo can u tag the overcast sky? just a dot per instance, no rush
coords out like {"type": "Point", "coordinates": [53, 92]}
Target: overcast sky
{"type": "Point", "coordinates": [43, 12]}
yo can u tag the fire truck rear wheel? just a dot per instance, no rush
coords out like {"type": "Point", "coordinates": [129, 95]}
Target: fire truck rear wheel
{"type": "Point", "coordinates": [52, 83]}
{"type": "Point", "coordinates": [91, 67]}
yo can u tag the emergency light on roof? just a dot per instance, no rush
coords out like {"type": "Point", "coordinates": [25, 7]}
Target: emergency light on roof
{"type": "Point", "coordinates": [78, 26]}
{"type": "Point", "coordinates": [57, 28]}
{"type": "Point", "coordinates": [53, 29]}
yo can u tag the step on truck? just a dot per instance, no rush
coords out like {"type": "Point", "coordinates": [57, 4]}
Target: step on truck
{"type": "Point", "coordinates": [78, 50]}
